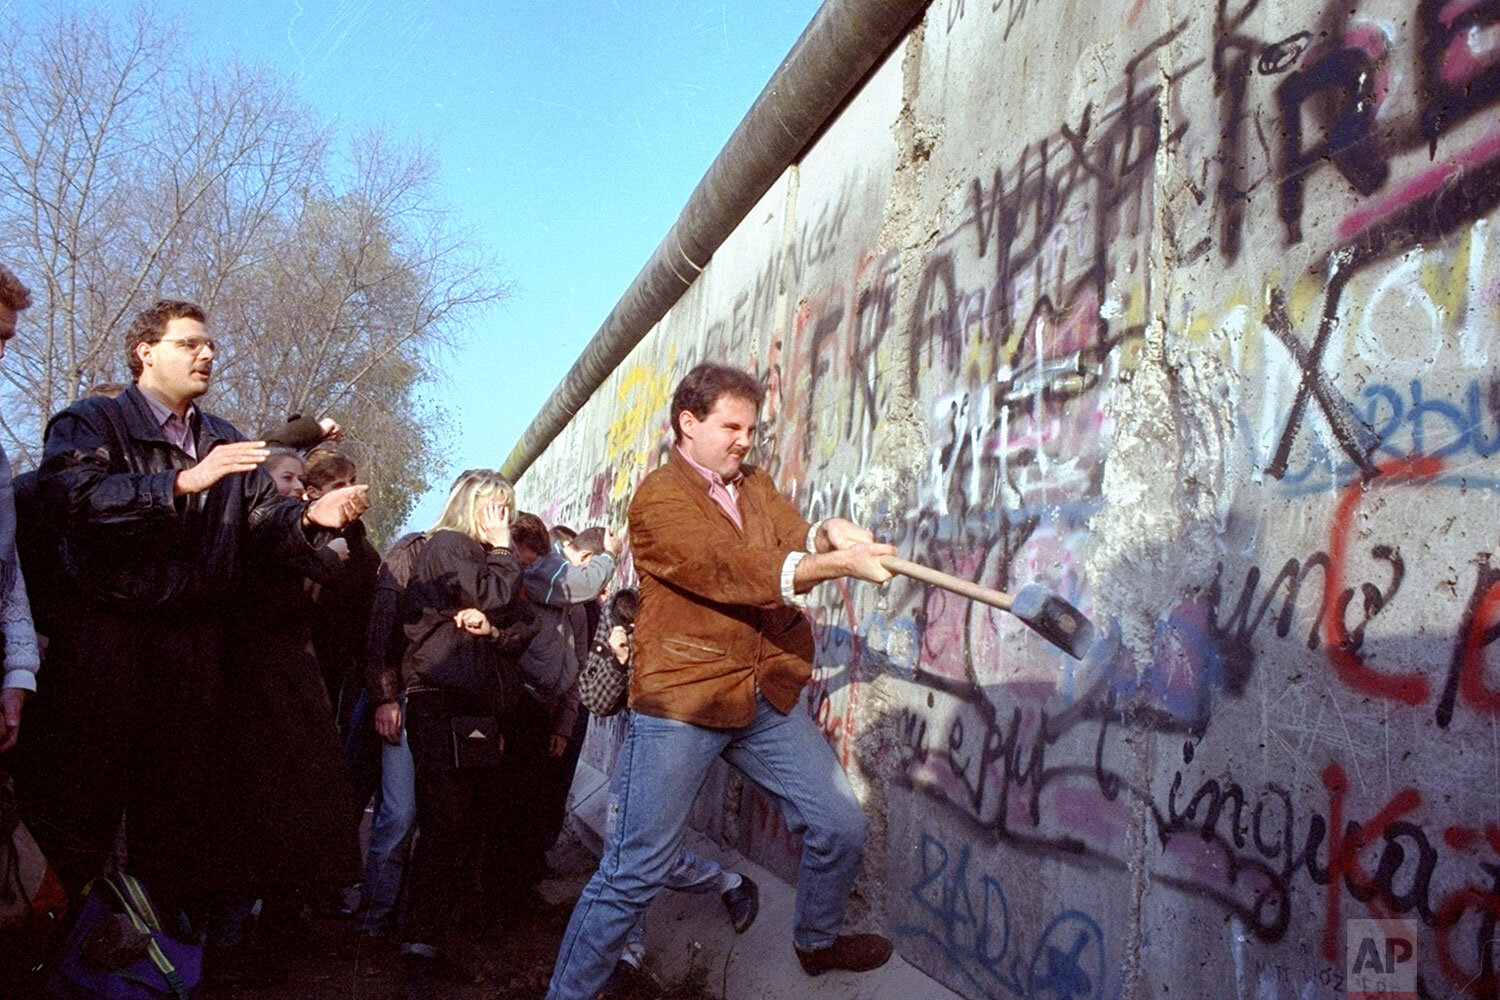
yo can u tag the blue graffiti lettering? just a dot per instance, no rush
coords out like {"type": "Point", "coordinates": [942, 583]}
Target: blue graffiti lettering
{"type": "Point", "coordinates": [1071, 941]}
{"type": "Point", "coordinates": [1409, 422]}
{"type": "Point", "coordinates": [968, 921]}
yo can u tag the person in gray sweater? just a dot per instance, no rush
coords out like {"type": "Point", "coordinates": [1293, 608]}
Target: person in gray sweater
{"type": "Point", "coordinates": [17, 635]}
{"type": "Point", "coordinates": [557, 582]}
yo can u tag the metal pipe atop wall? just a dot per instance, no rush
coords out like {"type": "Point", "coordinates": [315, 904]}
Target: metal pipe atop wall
{"type": "Point", "coordinates": [831, 58]}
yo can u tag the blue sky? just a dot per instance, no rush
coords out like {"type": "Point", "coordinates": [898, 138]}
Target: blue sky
{"type": "Point", "coordinates": [568, 134]}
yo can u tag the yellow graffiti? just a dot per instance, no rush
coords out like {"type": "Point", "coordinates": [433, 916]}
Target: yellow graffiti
{"type": "Point", "coordinates": [642, 395]}
{"type": "Point", "coordinates": [1135, 309]}
{"type": "Point", "coordinates": [1131, 353]}
{"type": "Point", "coordinates": [1447, 283]}
{"type": "Point", "coordinates": [1307, 295]}
{"type": "Point", "coordinates": [976, 355]}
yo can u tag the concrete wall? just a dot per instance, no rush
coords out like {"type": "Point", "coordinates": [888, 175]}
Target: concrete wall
{"type": "Point", "coordinates": [1188, 311]}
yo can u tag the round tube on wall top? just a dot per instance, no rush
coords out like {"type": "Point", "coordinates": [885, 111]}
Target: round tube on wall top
{"type": "Point", "coordinates": [832, 57]}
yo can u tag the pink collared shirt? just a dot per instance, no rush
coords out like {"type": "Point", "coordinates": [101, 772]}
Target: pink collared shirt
{"type": "Point", "coordinates": [175, 429]}
{"type": "Point", "coordinates": [725, 493]}
{"type": "Point", "coordinates": [727, 496]}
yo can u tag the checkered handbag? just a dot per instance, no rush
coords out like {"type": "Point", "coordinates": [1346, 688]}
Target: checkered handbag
{"type": "Point", "coordinates": [603, 682]}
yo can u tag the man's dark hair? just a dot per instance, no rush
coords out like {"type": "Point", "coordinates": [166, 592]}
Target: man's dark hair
{"type": "Point", "coordinates": [323, 466]}
{"type": "Point", "coordinates": [13, 294]}
{"type": "Point", "coordinates": [528, 532]}
{"type": "Point", "coordinates": [562, 534]}
{"type": "Point", "coordinates": [701, 388]}
{"type": "Point", "coordinates": [151, 325]}
{"type": "Point", "coordinates": [590, 540]}
{"type": "Point", "coordinates": [624, 606]}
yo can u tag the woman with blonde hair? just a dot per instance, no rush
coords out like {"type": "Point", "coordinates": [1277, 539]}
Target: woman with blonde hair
{"type": "Point", "coordinates": [462, 620]}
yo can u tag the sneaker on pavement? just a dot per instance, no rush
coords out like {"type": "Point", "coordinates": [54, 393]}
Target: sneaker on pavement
{"type": "Point", "coordinates": [743, 903]}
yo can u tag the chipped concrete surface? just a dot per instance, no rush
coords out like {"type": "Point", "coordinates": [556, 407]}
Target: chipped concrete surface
{"type": "Point", "coordinates": [1186, 312]}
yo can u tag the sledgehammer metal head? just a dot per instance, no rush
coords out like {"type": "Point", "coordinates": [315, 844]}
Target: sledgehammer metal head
{"type": "Point", "coordinates": [1051, 617]}
{"type": "Point", "coordinates": [1054, 619]}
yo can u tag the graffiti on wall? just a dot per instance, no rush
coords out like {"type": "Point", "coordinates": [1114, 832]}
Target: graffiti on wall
{"type": "Point", "coordinates": [1309, 733]}
{"type": "Point", "coordinates": [959, 907]}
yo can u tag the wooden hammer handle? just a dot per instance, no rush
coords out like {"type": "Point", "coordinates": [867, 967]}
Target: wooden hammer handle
{"type": "Point", "coordinates": [958, 585]}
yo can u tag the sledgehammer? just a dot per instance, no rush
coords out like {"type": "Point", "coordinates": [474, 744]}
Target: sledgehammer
{"type": "Point", "coordinates": [1046, 613]}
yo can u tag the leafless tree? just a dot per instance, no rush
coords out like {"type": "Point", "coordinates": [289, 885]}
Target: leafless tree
{"type": "Point", "coordinates": [128, 173]}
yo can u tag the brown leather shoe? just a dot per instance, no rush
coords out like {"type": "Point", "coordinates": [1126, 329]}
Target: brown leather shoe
{"type": "Point", "coordinates": [853, 952]}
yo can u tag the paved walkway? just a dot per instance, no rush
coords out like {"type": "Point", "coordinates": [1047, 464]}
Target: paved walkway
{"type": "Point", "coordinates": [689, 941]}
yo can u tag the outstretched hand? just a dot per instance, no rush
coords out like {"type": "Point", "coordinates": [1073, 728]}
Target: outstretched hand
{"type": "Point", "coordinates": [222, 460]}
{"type": "Point", "coordinates": [613, 543]}
{"type": "Point", "coordinates": [339, 507]}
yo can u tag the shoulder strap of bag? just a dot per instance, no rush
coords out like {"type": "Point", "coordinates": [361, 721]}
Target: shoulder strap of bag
{"type": "Point", "coordinates": [140, 902]}
{"type": "Point", "coordinates": [137, 905]}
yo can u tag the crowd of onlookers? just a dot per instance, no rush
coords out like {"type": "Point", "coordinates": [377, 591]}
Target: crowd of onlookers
{"type": "Point", "coordinates": [212, 678]}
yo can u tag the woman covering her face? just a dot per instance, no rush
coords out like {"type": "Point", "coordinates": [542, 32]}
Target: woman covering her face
{"type": "Point", "coordinates": [458, 609]}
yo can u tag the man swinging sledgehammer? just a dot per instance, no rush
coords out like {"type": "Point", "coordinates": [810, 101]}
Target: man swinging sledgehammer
{"type": "Point", "coordinates": [722, 653]}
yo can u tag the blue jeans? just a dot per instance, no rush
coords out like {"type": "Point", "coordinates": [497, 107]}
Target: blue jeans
{"type": "Point", "coordinates": [362, 753]}
{"type": "Point", "coordinates": [390, 834]}
{"type": "Point", "coordinates": [691, 873]}
{"type": "Point", "coordinates": [662, 765]}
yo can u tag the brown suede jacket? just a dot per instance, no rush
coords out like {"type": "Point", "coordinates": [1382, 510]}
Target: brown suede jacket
{"type": "Point", "coordinates": [712, 622]}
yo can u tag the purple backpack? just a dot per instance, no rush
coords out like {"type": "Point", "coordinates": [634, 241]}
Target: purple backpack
{"type": "Point", "coordinates": [118, 951]}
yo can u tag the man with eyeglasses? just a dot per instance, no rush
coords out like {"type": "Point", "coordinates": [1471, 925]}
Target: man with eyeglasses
{"type": "Point", "coordinates": [158, 505]}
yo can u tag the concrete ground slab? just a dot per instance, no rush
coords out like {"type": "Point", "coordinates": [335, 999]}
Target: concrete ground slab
{"type": "Point", "coordinates": [688, 936]}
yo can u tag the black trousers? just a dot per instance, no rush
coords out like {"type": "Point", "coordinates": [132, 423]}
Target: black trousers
{"type": "Point", "coordinates": [560, 781]}
{"type": "Point", "coordinates": [515, 847]}
{"type": "Point", "coordinates": [124, 724]}
{"type": "Point", "coordinates": [453, 808]}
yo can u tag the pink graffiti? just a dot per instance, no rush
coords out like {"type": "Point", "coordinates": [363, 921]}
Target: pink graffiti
{"type": "Point", "coordinates": [1451, 12]}
{"type": "Point", "coordinates": [947, 620]}
{"type": "Point", "coordinates": [1423, 185]}
{"type": "Point", "coordinates": [1462, 61]}
{"type": "Point", "coordinates": [1085, 811]}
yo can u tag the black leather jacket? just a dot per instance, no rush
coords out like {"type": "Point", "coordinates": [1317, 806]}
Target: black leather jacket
{"type": "Point", "coordinates": [451, 572]}
{"type": "Point", "coordinates": [106, 487]}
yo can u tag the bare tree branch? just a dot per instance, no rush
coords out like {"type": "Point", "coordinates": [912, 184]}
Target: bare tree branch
{"type": "Point", "coordinates": [127, 174]}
